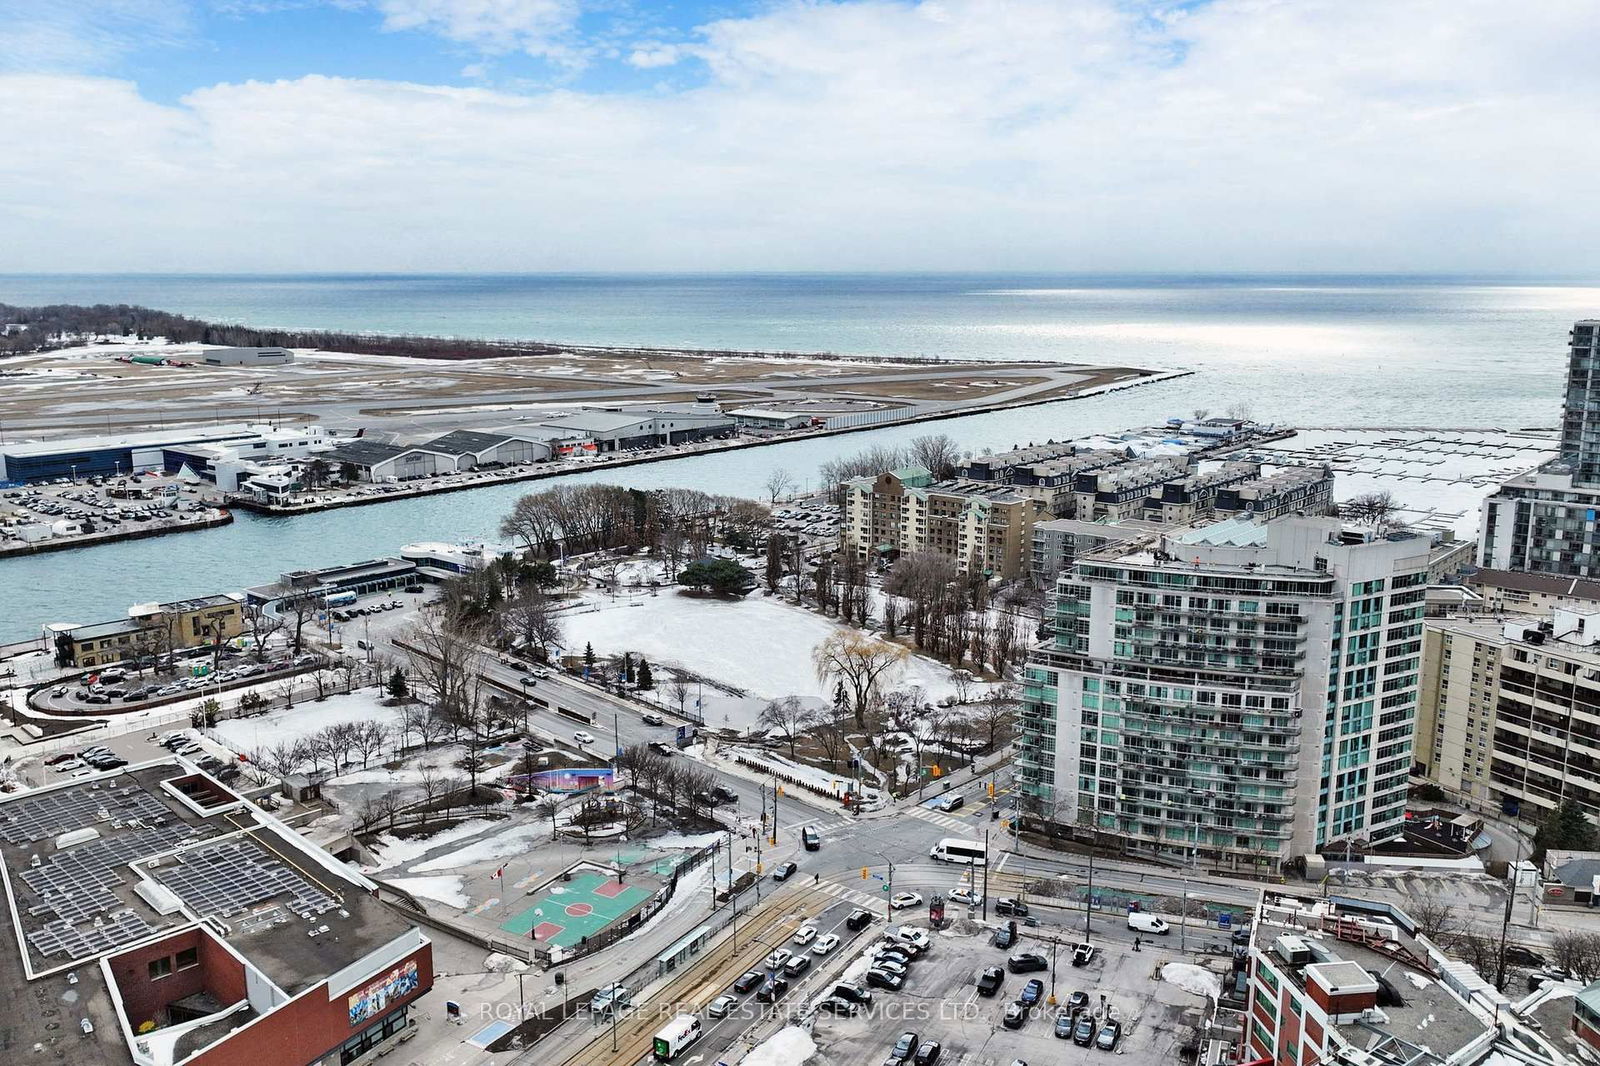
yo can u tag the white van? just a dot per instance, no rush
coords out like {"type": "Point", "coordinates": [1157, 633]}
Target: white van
{"type": "Point", "coordinates": [1141, 922]}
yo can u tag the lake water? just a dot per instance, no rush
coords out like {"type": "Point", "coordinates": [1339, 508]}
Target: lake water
{"type": "Point", "coordinates": [1314, 351]}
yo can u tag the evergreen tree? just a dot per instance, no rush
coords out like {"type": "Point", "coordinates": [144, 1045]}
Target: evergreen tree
{"type": "Point", "coordinates": [1566, 828]}
{"type": "Point", "coordinates": [588, 655]}
{"type": "Point", "coordinates": [398, 688]}
{"type": "Point", "coordinates": [627, 667]}
{"type": "Point", "coordinates": [646, 682]}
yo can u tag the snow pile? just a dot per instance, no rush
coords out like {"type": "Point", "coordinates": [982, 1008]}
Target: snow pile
{"type": "Point", "coordinates": [1416, 979]}
{"type": "Point", "coordinates": [395, 851]}
{"type": "Point", "coordinates": [446, 890]}
{"type": "Point", "coordinates": [1192, 978]}
{"type": "Point", "coordinates": [498, 963]}
{"type": "Point", "coordinates": [514, 841]}
{"type": "Point", "coordinates": [287, 725]}
{"type": "Point", "coordinates": [789, 1046]}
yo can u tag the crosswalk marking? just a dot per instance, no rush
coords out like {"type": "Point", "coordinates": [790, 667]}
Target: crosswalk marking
{"type": "Point", "coordinates": [856, 896]}
{"type": "Point", "coordinates": [939, 819]}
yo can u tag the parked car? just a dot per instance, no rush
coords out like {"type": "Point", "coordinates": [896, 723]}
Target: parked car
{"type": "Point", "coordinates": [722, 1005]}
{"type": "Point", "coordinates": [1077, 1001]}
{"type": "Point", "coordinates": [1015, 1015]}
{"type": "Point", "coordinates": [1004, 937]}
{"type": "Point", "coordinates": [854, 993]}
{"type": "Point", "coordinates": [890, 964]}
{"type": "Point", "coordinates": [797, 966]}
{"type": "Point", "coordinates": [835, 1005]}
{"type": "Point", "coordinates": [771, 990]}
{"type": "Point", "coordinates": [1032, 993]}
{"type": "Point", "coordinates": [905, 1047]}
{"type": "Point", "coordinates": [990, 981]}
{"type": "Point", "coordinates": [928, 1053]}
{"type": "Point", "coordinates": [881, 979]}
{"type": "Point", "coordinates": [778, 958]}
{"type": "Point", "coordinates": [910, 934]}
{"type": "Point", "coordinates": [858, 920]}
{"type": "Point", "coordinates": [1007, 907]}
{"type": "Point", "coordinates": [1110, 1033]}
{"type": "Point", "coordinates": [1083, 1032]}
{"type": "Point", "coordinates": [748, 981]}
{"type": "Point", "coordinates": [1064, 1023]}
{"type": "Point", "coordinates": [1083, 954]}
{"type": "Point", "coordinates": [825, 944]}
{"type": "Point", "coordinates": [1027, 962]}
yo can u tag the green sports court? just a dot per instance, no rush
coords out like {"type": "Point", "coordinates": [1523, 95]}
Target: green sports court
{"type": "Point", "coordinates": [564, 912]}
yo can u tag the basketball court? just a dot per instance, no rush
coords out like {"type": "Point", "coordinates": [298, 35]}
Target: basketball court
{"type": "Point", "coordinates": [565, 912]}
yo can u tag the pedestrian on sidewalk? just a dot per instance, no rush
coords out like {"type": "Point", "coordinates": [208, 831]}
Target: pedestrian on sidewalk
{"type": "Point", "coordinates": [1135, 943]}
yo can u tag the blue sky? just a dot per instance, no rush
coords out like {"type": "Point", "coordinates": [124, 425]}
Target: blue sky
{"type": "Point", "coordinates": [170, 47]}
{"type": "Point", "coordinates": [1084, 135]}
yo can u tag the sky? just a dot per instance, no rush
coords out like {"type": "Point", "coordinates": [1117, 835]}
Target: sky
{"type": "Point", "coordinates": [1448, 136]}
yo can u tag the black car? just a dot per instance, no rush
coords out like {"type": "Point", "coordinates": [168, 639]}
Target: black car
{"type": "Point", "coordinates": [905, 1047]}
{"type": "Point", "coordinates": [1014, 1016]}
{"type": "Point", "coordinates": [1110, 1033]}
{"type": "Point", "coordinates": [897, 952]}
{"type": "Point", "coordinates": [1077, 1001]}
{"type": "Point", "coordinates": [785, 871]}
{"type": "Point", "coordinates": [810, 838]}
{"type": "Point", "coordinates": [748, 980]}
{"type": "Point", "coordinates": [797, 965]}
{"type": "Point", "coordinates": [1027, 962]}
{"type": "Point", "coordinates": [851, 992]}
{"type": "Point", "coordinates": [1004, 937]}
{"type": "Point", "coordinates": [889, 981]}
{"type": "Point", "coordinates": [1032, 993]}
{"type": "Point", "coordinates": [859, 919]}
{"type": "Point", "coordinates": [1083, 1032]}
{"type": "Point", "coordinates": [771, 990]}
{"type": "Point", "coordinates": [928, 1053]}
{"type": "Point", "coordinates": [990, 980]}
{"type": "Point", "coordinates": [1005, 906]}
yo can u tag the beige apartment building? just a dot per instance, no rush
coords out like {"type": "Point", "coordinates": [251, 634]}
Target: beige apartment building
{"type": "Point", "coordinates": [987, 529]}
{"type": "Point", "coordinates": [1510, 710]}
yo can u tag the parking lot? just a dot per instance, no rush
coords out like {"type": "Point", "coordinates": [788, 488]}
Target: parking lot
{"type": "Point", "coordinates": [123, 689]}
{"type": "Point", "coordinates": [86, 506]}
{"type": "Point", "coordinates": [941, 1003]}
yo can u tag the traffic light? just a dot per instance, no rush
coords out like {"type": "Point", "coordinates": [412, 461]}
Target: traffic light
{"type": "Point", "coordinates": [779, 789]}
{"type": "Point", "coordinates": [991, 790]}
{"type": "Point", "coordinates": [864, 873]}
{"type": "Point", "coordinates": [937, 772]}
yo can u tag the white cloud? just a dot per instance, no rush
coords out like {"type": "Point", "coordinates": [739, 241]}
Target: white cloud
{"type": "Point", "coordinates": [648, 56]}
{"type": "Point", "coordinates": [538, 27]}
{"type": "Point", "coordinates": [1049, 134]}
{"type": "Point", "coordinates": [61, 35]}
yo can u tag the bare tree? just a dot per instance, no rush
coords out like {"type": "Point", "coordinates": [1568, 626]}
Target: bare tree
{"type": "Point", "coordinates": [531, 619]}
{"type": "Point", "coordinates": [862, 663]}
{"type": "Point", "coordinates": [937, 453]}
{"type": "Point", "coordinates": [1577, 953]}
{"type": "Point", "coordinates": [779, 483]}
{"type": "Point", "coordinates": [678, 688]}
{"type": "Point", "coordinates": [1436, 919]}
{"type": "Point", "coordinates": [787, 716]}
{"type": "Point", "coordinates": [298, 606]}
{"type": "Point", "coordinates": [1377, 508]}
{"type": "Point", "coordinates": [263, 625]}
{"type": "Point", "coordinates": [368, 739]}
{"type": "Point", "coordinates": [996, 716]}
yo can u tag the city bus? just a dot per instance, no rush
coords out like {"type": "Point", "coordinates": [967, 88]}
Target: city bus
{"type": "Point", "coordinates": [967, 852]}
{"type": "Point", "coordinates": [678, 1034]}
{"type": "Point", "coordinates": [338, 599]}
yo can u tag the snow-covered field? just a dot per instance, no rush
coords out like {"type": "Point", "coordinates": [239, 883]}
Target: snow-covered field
{"type": "Point", "coordinates": [286, 725]}
{"type": "Point", "coordinates": [789, 1046]}
{"type": "Point", "coordinates": [514, 841]}
{"type": "Point", "coordinates": [446, 890]}
{"type": "Point", "coordinates": [398, 851]}
{"type": "Point", "coordinates": [760, 644]}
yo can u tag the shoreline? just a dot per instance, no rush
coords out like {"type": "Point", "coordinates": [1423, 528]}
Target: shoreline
{"type": "Point", "coordinates": [266, 510]}
{"type": "Point", "coordinates": [91, 540]}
